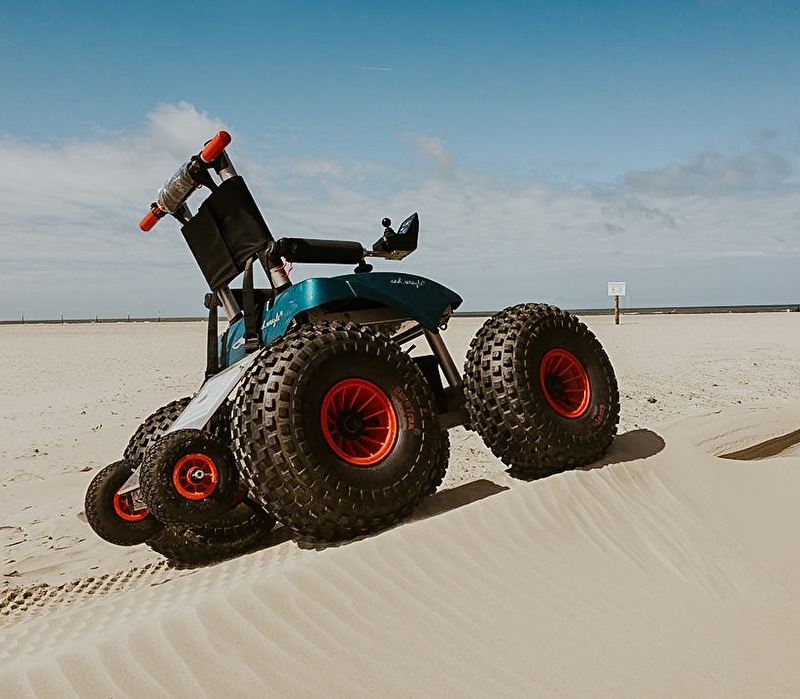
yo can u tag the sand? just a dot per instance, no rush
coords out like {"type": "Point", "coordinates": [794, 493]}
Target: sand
{"type": "Point", "coordinates": [663, 570]}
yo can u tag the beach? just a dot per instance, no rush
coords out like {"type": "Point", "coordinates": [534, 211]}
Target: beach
{"type": "Point", "coordinates": [667, 568]}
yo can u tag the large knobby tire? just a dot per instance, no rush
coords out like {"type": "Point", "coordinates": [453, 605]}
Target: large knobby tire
{"type": "Point", "coordinates": [188, 478]}
{"type": "Point", "coordinates": [336, 432]}
{"type": "Point", "coordinates": [112, 516]}
{"type": "Point", "coordinates": [540, 390]}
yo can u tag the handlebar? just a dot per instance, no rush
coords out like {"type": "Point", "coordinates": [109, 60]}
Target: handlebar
{"type": "Point", "coordinates": [178, 188]}
{"type": "Point", "coordinates": [215, 146]}
{"type": "Point", "coordinates": [151, 218]}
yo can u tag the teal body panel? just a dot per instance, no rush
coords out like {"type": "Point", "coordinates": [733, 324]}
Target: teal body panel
{"type": "Point", "coordinates": [419, 298]}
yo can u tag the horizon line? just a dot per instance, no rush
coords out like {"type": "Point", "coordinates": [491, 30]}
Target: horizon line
{"type": "Point", "coordinates": [642, 310]}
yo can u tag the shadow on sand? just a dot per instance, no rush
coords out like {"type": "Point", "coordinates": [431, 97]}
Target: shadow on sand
{"type": "Point", "coordinates": [630, 446]}
{"type": "Point", "coordinates": [765, 450]}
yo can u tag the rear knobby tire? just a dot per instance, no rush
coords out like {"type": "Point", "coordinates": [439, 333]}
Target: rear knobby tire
{"type": "Point", "coordinates": [336, 432]}
{"type": "Point", "coordinates": [540, 390]}
{"type": "Point", "coordinates": [112, 516]}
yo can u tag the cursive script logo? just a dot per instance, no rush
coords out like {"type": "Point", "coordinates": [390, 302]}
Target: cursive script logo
{"type": "Point", "coordinates": [417, 283]}
{"type": "Point", "coordinates": [272, 322]}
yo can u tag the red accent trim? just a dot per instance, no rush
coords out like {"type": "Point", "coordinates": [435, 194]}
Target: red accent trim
{"type": "Point", "coordinates": [123, 506]}
{"type": "Point", "coordinates": [151, 218]}
{"type": "Point", "coordinates": [565, 383]}
{"type": "Point", "coordinates": [373, 418]}
{"type": "Point", "coordinates": [215, 146]}
{"type": "Point", "coordinates": [195, 476]}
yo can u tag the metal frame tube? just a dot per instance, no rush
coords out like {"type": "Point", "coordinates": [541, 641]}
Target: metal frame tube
{"type": "Point", "coordinates": [226, 169]}
{"type": "Point", "coordinates": [225, 296]}
{"type": "Point", "coordinates": [440, 351]}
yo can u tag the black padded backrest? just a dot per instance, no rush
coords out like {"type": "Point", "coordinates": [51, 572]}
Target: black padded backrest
{"type": "Point", "coordinates": [227, 230]}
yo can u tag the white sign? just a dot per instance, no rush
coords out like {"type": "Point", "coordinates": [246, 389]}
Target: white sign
{"type": "Point", "coordinates": [616, 288]}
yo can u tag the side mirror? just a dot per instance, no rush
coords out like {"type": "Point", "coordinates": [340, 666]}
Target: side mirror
{"type": "Point", "coordinates": [395, 245]}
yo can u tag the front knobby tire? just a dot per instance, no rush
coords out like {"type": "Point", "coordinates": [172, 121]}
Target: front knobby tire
{"type": "Point", "coordinates": [336, 432]}
{"type": "Point", "coordinates": [540, 390]}
{"type": "Point", "coordinates": [243, 528]}
{"type": "Point", "coordinates": [188, 478]}
{"type": "Point", "coordinates": [112, 516]}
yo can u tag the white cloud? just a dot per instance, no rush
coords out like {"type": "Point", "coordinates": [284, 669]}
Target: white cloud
{"type": "Point", "coordinates": [761, 167]}
{"type": "Point", "coordinates": [433, 148]}
{"type": "Point", "coordinates": [71, 210]}
{"type": "Point", "coordinates": [179, 128]}
{"type": "Point", "coordinates": [70, 239]}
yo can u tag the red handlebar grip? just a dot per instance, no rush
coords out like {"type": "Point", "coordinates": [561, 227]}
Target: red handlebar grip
{"type": "Point", "coordinates": [150, 220]}
{"type": "Point", "coordinates": [215, 146]}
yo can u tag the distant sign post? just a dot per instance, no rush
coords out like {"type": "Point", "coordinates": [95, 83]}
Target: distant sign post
{"type": "Point", "coordinates": [616, 289]}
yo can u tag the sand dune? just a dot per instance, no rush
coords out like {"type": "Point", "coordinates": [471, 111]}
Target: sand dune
{"type": "Point", "coordinates": [664, 570]}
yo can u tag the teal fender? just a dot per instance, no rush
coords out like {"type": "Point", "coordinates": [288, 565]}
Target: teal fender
{"type": "Point", "coordinates": [419, 298]}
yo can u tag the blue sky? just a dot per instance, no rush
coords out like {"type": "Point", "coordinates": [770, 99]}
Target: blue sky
{"type": "Point", "coordinates": [549, 147]}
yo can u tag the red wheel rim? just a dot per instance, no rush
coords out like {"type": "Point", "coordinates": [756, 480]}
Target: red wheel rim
{"type": "Point", "coordinates": [195, 476]}
{"type": "Point", "coordinates": [124, 509]}
{"type": "Point", "coordinates": [358, 422]}
{"type": "Point", "coordinates": [565, 383]}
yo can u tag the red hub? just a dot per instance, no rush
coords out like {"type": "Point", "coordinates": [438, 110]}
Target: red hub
{"type": "Point", "coordinates": [123, 506]}
{"type": "Point", "coordinates": [195, 476]}
{"type": "Point", "coordinates": [358, 422]}
{"type": "Point", "coordinates": [565, 383]}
